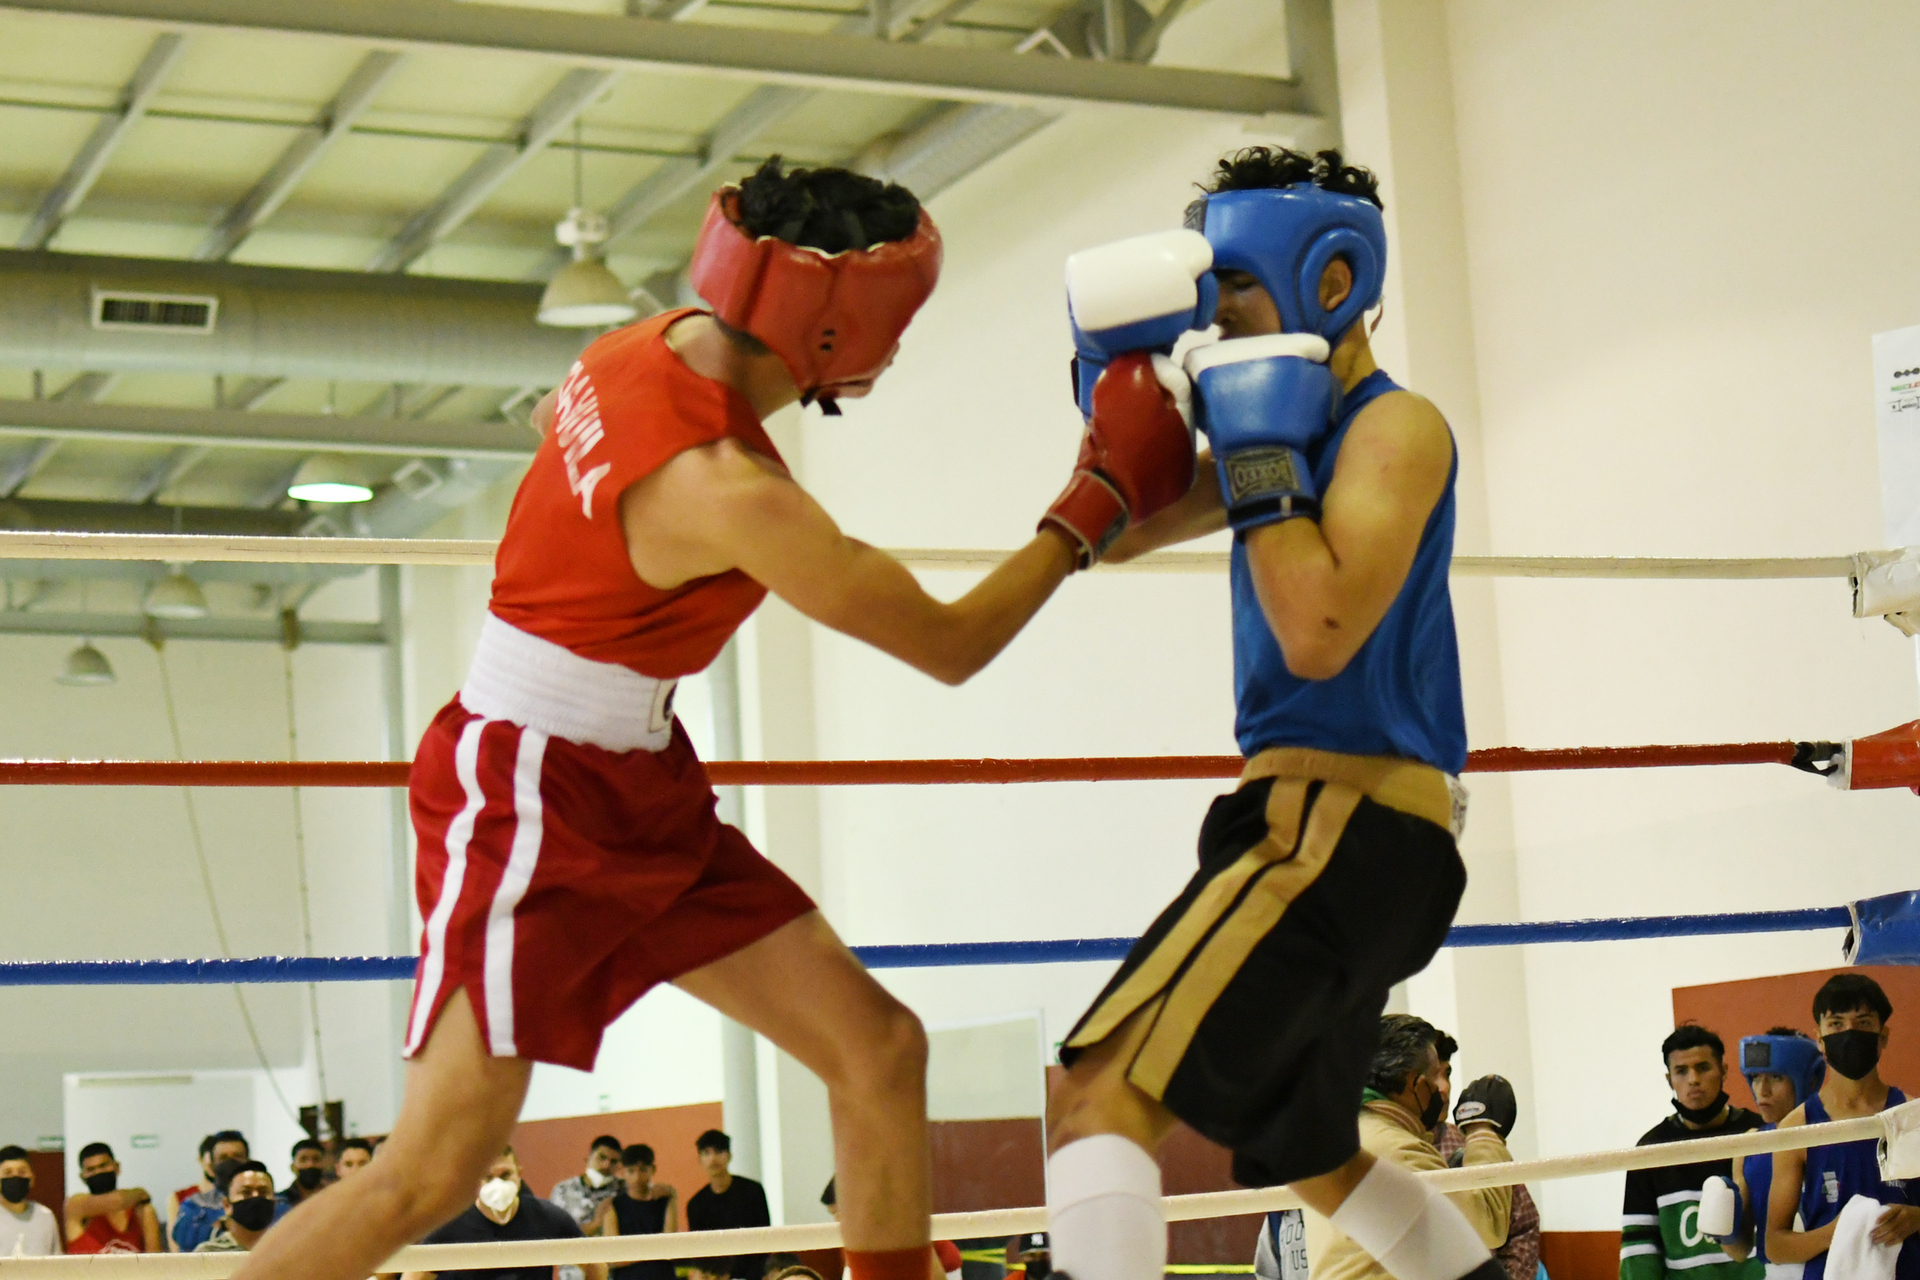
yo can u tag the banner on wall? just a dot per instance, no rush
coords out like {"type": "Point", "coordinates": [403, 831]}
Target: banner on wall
{"type": "Point", "coordinates": [1896, 402]}
{"type": "Point", "coordinates": [1896, 394]}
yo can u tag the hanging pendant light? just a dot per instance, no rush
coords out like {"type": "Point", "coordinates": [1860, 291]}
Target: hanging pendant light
{"type": "Point", "coordinates": [328, 477]}
{"type": "Point", "coordinates": [86, 665]}
{"type": "Point", "coordinates": [176, 596]}
{"type": "Point", "coordinates": [585, 294]}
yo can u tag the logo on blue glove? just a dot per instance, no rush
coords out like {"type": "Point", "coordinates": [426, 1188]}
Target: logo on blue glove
{"type": "Point", "coordinates": [1254, 472]}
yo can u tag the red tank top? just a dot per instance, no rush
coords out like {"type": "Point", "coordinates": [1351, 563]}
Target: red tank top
{"type": "Point", "coordinates": [629, 405]}
{"type": "Point", "coordinates": [98, 1236]}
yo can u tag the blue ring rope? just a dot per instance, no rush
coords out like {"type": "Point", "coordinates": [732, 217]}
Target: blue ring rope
{"type": "Point", "coordinates": [104, 973]}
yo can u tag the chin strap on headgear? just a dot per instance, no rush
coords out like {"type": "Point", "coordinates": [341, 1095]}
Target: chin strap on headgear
{"type": "Point", "coordinates": [834, 319]}
{"type": "Point", "coordinates": [1285, 237]}
{"type": "Point", "coordinates": [1795, 1058]}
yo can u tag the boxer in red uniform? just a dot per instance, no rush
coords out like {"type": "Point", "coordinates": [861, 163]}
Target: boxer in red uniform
{"type": "Point", "coordinates": [570, 856]}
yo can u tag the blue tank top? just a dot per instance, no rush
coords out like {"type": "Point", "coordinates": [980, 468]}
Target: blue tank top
{"type": "Point", "coordinates": [1836, 1174]}
{"type": "Point", "coordinates": [1758, 1171]}
{"type": "Point", "coordinates": [1400, 695]}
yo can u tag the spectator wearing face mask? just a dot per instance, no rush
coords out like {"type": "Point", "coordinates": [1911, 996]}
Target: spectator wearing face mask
{"type": "Point", "coordinates": [107, 1218]}
{"type": "Point", "coordinates": [1850, 1013]}
{"type": "Point", "coordinates": [504, 1211]}
{"type": "Point", "coordinates": [251, 1208]}
{"type": "Point", "coordinates": [582, 1197]}
{"type": "Point", "coordinates": [309, 1172]}
{"type": "Point", "coordinates": [1405, 1097]}
{"type": "Point", "coordinates": [355, 1155]}
{"type": "Point", "coordinates": [27, 1228]}
{"type": "Point", "coordinates": [1519, 1257]}
{"type": "Point", "coordinates": [197, 1210]}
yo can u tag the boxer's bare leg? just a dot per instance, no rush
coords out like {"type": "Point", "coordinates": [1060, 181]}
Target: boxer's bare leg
{"type": "Point", "coordinates": [460, 1105]}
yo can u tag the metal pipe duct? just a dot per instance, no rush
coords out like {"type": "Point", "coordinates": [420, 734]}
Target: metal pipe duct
{"type": "Point", "coordinates": [69, 311]}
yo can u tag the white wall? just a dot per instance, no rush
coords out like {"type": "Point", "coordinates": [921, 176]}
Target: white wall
{"type": "Point", "coordinates": [111, 872]}
{"type": "Point", "coordinates": [1669, 319]}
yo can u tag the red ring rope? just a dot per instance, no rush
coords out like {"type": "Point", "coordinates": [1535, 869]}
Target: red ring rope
{"type": "Point", "coordinates": [822, 773]}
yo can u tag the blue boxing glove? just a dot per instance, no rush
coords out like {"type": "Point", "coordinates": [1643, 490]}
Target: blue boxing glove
{"type": "Point", "coordinates": [1135, 295]}
{"type": "Point", "coordinates": [1263, 402]}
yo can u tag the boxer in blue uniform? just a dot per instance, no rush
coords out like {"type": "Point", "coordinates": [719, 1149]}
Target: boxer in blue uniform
{"type": "Point", "coordinates": [1783, 1068]}
{"type": "Point", "coordinates": [1250, 1008]}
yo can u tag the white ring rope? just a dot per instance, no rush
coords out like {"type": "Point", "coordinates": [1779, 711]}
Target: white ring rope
{"type": "Point", "coordinates": [191, 547]}
{"type": "Point", "coordinates": [950, 1226]}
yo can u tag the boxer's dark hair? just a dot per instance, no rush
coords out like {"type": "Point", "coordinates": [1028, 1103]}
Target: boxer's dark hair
{"type": "Point", "coordinates": [1259, 168]}
{"type": "Point", "coordinates": [829, 209]}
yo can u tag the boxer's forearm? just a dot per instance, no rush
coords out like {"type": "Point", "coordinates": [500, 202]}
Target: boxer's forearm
{"type": "Point", "coordinates": [986, 619]}
{"type": "Point", "coordinates": [1196, 515]}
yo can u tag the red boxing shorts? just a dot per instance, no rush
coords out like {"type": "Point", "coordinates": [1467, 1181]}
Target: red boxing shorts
{"type": "Point", "coordinates": [559, 882]}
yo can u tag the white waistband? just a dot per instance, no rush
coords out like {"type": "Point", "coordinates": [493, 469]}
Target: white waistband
{"type": "Point", "coordinates": [537, 683]}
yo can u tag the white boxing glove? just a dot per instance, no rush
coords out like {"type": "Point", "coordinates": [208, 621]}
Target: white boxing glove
{"type": "Point", "coordinates": [1719, 1207]}
{"type": "Point", "coordinates": [1152, 278]}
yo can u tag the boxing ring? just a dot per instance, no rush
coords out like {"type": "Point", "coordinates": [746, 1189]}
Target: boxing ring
{"type": "Point", "coordinates": [1878, 930]}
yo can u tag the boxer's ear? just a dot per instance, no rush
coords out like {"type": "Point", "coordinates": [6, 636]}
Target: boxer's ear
{"type": "Point", "coordinates": [1336, 282]}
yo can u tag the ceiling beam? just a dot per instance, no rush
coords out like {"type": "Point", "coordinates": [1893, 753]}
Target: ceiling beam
{"type": "Point", "coordinates": [168, 472]}
{"type": "Point", "coordinates": [617, 42]}
{"type": "Point", "coordinates": [239, 429]}
{"type": "Point", "coordinates": [733, 132]}
{"type": "Point", "coordinates": [645, 200]}
{"type": "Point", "coordinates": [26, 465]}
{"type": "Point", "coordinates": [336, 122]}
{"type": "Point", "coordinates": [88, 388]}
{"type": "Point", "coordinates": [577, 90]}
{"type": "Point", "coordinates": [140, 626]}
{"type": "Point", "coordinates": [101, 144]}
{"type": "Point", "coordinates": [61, 515]}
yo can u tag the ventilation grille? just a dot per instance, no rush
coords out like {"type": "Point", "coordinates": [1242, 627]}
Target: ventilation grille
{"type": "Point", "coordinates": [154, 312]}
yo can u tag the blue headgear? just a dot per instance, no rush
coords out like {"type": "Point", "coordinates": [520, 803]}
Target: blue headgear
{"type": "Point", "coordinates": [1285, 237]}
{"type": "Point", "coordinates": [1795, 1058]}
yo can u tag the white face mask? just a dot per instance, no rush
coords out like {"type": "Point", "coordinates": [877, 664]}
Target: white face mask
{"type": "Point", "coordinates": [597, 1179]}
{"type": "Point", "coordinates": [498, 1194]}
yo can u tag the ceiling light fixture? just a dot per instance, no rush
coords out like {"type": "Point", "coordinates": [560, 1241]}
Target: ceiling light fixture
{"type": "Point", "coordinates": [176, 596]}
{"type": "Point", "coordinates": [585, 294]}
{"type": "Point", "coordinates": [328, 477]}
{"type": "Point", "coordinates": [86, 665]}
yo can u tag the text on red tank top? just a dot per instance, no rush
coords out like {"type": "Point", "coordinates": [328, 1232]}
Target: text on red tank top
{"type": "Point", "coordinates": [628, 407]}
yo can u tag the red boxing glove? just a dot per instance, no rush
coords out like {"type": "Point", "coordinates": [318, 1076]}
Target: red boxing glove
{"type": "Point", "coordinates": [1136, 458]}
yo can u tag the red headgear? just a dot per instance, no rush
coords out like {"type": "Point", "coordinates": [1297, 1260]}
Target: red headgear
{"type": "Point", "coordinates": [835, 319]}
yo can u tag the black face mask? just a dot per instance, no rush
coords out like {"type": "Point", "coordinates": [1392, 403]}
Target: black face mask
{"type": "Point", "coordinates": [309, 1178]}
{"type": "Point", "coordinates": [254, 1214]}
{"type": "Point", "coordinates": [14, 1190]}
{"type": "Point", "coordinates": [1702, 1115]}
{"type": "Point", "coordinates": [1435, 1108]}
{"type": "Point", "coordinates": [101, 1183]}
{"type": "Point", "coordinates": [1852, 1053]}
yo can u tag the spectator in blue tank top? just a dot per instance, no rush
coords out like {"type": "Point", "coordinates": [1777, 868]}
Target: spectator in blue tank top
{"type": "Point", "coordinates": [1850, 1012]}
